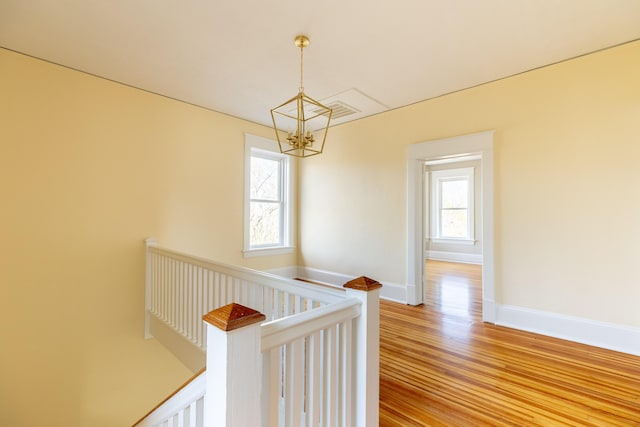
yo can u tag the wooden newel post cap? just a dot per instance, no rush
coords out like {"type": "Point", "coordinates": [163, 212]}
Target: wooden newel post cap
{"type": "Point", "coordinates": [362, 283]}
{"type": "Point", "coordinates": [233, 316]}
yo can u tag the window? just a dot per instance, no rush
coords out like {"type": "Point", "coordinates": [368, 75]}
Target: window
{"type": "Point", "coordinates": [452, 205]}
{"type": "Point", "coordinates": [268, 216]}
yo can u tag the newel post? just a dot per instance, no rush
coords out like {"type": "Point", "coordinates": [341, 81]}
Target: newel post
{"type": "Point", "coordinates": [366, 350]}
{"type": "Point", "coordinates": [148, 285]}
{"type": "Point", "coordinates": [234, 370]}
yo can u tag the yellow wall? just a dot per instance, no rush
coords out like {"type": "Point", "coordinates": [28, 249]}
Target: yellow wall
{"type": "Point", "coordinates": [567, 171]}
{"type": "Point", "coordinates": [88, 170]}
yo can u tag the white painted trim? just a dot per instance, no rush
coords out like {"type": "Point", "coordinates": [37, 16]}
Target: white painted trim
{"type": "Point", "coordinates": [611, 336]}
{"type": "Point", "coordinates": [187, 395]}
{"type": "Point", "coordinates": [436, 180]}
{"type": "Point", "coordinates": [257, 143]}
{"type": "Point", "coordinates": [234, 385]}
{"type": "Point", "coordinates": [488, 308]}
{"type": "Point", "coordinates": [290, 272]}
{"type": "Point", "coordinates": [276, 250]}
{"type": "Point", "coordinates": [478, 143]}
{"type": "Point", "coordinates": [455, 159]}
{"type": "Point", "coordinates": [390, 291]}
{"type": "Point", "coordinates": [460, 242]}
{"type": "Point", "coordinates": [323, 276]}
{"type": "Point", "coordinates": [393, 292]}
{"type": "Point", "coordinates": [366, 357]}
{"type": "Point", "coordinates": [455, 257]}
{"type": "Point", "coordinates": [149, 241]}
{"type": "Point", "coordinates": [415, 226]}
{"type": "Point", "coordinates": [185, 350]}
{"type": "Point", "coordinates": [284, 330]}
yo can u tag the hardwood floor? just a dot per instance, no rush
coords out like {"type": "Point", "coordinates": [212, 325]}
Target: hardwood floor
{"type": "Point", "coordinates": [441, 366]}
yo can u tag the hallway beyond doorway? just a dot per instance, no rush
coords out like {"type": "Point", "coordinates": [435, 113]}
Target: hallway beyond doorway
{"type": "Point", "coordinates": [454, 289]}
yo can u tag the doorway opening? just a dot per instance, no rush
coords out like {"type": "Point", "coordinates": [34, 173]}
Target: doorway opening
{"type": "Point", "coordinates": [477, 145]}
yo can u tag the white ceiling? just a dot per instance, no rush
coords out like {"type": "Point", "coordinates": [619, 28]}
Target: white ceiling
{"type": "Point", "coordinates": [238, 57]}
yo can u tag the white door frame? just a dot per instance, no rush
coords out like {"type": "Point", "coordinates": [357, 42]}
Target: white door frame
{"type": "Point", "coordinates": [476, 143]}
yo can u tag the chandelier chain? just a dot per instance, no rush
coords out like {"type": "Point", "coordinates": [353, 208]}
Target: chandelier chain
{"type": "Point", "coordinates": [301, 88]}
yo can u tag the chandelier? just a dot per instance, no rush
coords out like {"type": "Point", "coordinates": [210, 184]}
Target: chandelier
{"type": "Point", "coordinates": [301, 123]}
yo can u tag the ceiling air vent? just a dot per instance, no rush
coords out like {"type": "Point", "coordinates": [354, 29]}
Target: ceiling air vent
{"type": "Point", "coordinates": [340, 109]}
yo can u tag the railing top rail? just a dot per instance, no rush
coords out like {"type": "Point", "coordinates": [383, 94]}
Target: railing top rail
{"type": "Point", "coordinates": [287, 329]}
{"type": "Point", "coordinates": [187, 393]}
{"type": "Point", "coordinates": [325, 294]}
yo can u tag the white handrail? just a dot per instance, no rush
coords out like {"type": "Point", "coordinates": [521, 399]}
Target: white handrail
{"type": "Point", "coordinates": [320, 293]}
{"type": "Point", "coordinates": [287, 329]}
{"type": "Point", "coordinates": [181, 288]}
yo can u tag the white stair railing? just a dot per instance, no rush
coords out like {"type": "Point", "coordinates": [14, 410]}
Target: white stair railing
{"type": "Point", "coordinates": [307, 361]}
{"type": "Point", "coordinates": [315, 358]}
{"type": "Point", "coordinates": [181, 288]}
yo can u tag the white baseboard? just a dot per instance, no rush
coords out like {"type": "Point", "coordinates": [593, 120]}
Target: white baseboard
{"type": "Point", "coordinates": [488, 310]}
{"type": "Point", "coordinates": [289, 272]}
{"type": "Point", "coordinates": [323, 276]}
{"type": "Point", "coordinates": [394, 292]}
{"type": "Point", "coordinates": [611, 336]}
{"type": "Point", "coordinates": [390, 291]}
{"type": "Point", "coordinates": [455, 257]}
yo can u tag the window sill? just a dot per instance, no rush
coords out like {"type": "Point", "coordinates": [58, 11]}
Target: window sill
{"type": "Point", "coordinates": [454, 241]}
{"type": "Point", "coordinates": [278, 250]}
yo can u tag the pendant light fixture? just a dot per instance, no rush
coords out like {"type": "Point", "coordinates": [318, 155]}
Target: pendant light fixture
{"type": "Point", "coordinates": [301, 123]}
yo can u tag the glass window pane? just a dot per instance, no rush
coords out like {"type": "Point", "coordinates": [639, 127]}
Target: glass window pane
{"type": "Point", "coordinates": [265, 179]}
{"type": "Point", "coordinates": [455, 193]}
{"type": "Point", "coordinates": [264, 224]}
{"type": "Point", "coordinates": [453, 223]}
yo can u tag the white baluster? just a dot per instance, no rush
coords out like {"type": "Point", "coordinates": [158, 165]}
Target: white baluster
{"type": "Point", "coordinates": [313, 391]}
{"type": "Point", "coordinates": [346, 365]}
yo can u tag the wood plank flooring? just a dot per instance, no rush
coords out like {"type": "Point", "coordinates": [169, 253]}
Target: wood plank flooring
{"type": "Point", "coordinates": [441, 366]}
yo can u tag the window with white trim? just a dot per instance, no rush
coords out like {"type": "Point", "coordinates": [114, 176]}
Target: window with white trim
{"type": "Point", "coordinates": [452, 205]}
{"type": "Point", "coordinates": [268, 198]}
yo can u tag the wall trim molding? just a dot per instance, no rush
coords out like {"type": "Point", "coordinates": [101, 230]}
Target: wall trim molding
{"type": "Point", "coordinates": [610, 336]}
{"type": "Point", "coordinates": [389, 291]}
{"type": "Point", "coordinates": [465, 258]}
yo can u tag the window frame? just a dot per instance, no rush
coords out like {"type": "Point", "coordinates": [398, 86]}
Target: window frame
{"type": "Point", "coordinates": [256, 146]}
{"type": "Point", "coordinates": [437, 178]}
